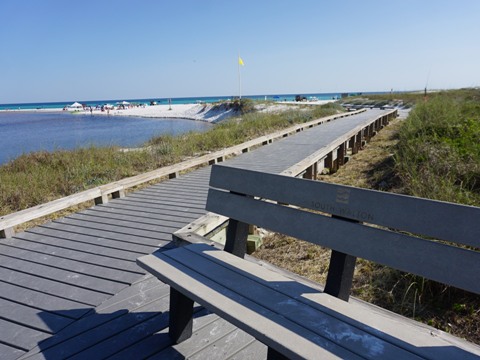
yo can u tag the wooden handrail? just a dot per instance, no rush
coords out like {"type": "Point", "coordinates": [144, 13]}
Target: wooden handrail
{"type": "Point", "coordinates": [117, 189]}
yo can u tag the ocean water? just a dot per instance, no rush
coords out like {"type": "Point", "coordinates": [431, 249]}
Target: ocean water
{"type": "Point", "coordinates": [24, 132]}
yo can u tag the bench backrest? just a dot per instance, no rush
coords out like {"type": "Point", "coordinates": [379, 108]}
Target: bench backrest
{"type": "Point", "coordinates": [433, 239]}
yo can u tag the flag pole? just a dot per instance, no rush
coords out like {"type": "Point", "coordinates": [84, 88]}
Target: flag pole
{"type": "Point", "coordinates": [239, 78]}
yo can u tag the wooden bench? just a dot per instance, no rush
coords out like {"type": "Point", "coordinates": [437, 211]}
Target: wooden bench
{"type": "Point", "coordinates": [294, 319]}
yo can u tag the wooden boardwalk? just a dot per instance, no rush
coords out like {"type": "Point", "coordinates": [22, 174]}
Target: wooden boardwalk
{"type": "Point", "coordinates": [71, 288]}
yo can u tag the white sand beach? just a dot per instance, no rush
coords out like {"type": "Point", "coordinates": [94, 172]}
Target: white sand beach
{"type": "Point", "coordinates": [201, 112]}
{"type": "Point", "coordinates": [204, 112]}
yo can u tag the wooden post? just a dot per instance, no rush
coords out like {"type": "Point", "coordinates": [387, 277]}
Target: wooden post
{"type": "Point", "coordinates": [310, 173]}
{"type": "Point", "coordinates": [358, 143]}
{"type": "Point", "coordinates": [351, 143]}
{"type": "Point", "coordinates": [101, 199]}
{"type": "Point", "coordinates": [341, 155]}
{"type": "Point", "coordinates": [335, 160]}
{"type": "Point", "coordinates": [365, 136]}
{"type": "Point", "coordinates": [180, 317]}
{"type": "Point", "coordinates": [329, 161]}
{"type": "Point", "coordinates": [118, 194]}
{"type": "Point", "coordinates": [7, 233]}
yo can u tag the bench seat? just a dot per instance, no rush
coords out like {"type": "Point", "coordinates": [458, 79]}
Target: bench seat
{"type": "Point", "coordinates": [293, 318]}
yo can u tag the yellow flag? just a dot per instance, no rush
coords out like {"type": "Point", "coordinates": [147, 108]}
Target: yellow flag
{"type": "Point", "coordinates": [240, 61]}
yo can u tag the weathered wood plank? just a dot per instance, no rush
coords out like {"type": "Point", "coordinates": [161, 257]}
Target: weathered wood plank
{"type": "Point", "coordinates": [42, 301]}
{"type": "Point", "coordinates": [200, 205]}
{"type": "Point", "coordinates": [207, 329]}
{"type": "Point", "coordinates": [156, 216]}
{"type": "Point", "coordinates": [138, 218]}
{"type": "Point", "coordinates": [134, 244]}
{"type": "Point", "coordinates": [447, 264]}
{"type": "Point", "coordinates": [89, 257]}
{"type": "Point", "coordinates": [186, 193]}
{"type": "Point", "coordinates": [69, 277]}
{"type": "Point", "coordinates": [102, 331]}
{"type": "Point", "coordinates": [186, 211]}
{"type": "Point", "coordinates": [18, 336]}
{"type": "Point", "coordinates": [170, 186]}
{"type": "Point", "coordinates": [254, 350]}
{"type": "Point", "coordinates": [133, 297]}
{"type": "Point", "coordinates": [9, 352]}
{"type": "Point", "coordinates": [147, 237]}
{"type": "Point", "coordinates": [52, 287]}
{"type": "Point", "coordinates": [446, 221]}
{"type": "Point", "coordinates": [147, 348]}
{"type": "Point", "coordinates": [160, 207]}
{"type": "Point", "coordinates": [191, 202]}
{"type": "Point", "coordinates": [140, 293]}
{"type": "Point", "coordinates": [31, 318]}
{"type": "Point", "coordinates": [93, 247]}
{"type": "Point", "coordinates": [123, 339]}
{"type": "Point", "coordinates": [68, 264]}
{"type": "Point", "coordinates": [225, 347]}
{"type": "Point", "coordinates": [123, 224]}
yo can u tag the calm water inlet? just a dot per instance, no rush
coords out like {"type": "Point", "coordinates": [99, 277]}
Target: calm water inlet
{"type": "Point", "coordinates": [26, 132]}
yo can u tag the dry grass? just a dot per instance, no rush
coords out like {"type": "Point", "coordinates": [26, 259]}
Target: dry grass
{"type": "Point", "coordinates": [445, 308]}
{"type": "Point", "coordinates": [372, 167]}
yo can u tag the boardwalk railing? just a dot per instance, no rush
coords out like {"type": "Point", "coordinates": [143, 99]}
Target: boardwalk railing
{"type": "Point", "coordinates": [117, 189]}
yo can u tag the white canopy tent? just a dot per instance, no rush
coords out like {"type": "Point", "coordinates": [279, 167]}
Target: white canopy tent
{"type": "Point", "coordinates": [76, 105]}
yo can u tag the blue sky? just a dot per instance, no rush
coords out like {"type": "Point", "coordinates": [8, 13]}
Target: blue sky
{"type": "Point", "coordinates": [59, 50]}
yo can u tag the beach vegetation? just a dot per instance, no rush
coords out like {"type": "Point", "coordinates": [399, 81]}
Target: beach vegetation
{"type": "Point", "coordinates": [438, 154]}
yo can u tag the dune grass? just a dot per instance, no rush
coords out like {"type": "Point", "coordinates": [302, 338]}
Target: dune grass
{"type": "Point", "coordinates": [36, 178]}
{"type": "Point", "coordinates": [438, 154]}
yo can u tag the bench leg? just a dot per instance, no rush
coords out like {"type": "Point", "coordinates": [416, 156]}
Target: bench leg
{"type": "Point", "coordinates": [181, 316]}
{"type": "Point", "coordinates": [237, 234]}
{"type": "Point", "coordinates": [340, 275]}
{"type": "Point", "coordinates": [275, 355]}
